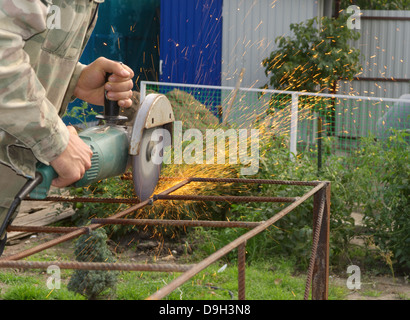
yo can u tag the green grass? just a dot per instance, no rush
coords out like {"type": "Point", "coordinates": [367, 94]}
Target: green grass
{"type": "Point", "coordinates": [371, 293]}
{"type": "Point", "coordinates": [264, 281]}
{"type": "Point", "coordinates": [31, 286]}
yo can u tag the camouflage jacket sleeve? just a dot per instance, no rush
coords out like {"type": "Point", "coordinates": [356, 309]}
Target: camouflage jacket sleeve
{"type": "Point", "coordinates": [25, 111]}
{"type": "Point", "coordinates": [69, 96]}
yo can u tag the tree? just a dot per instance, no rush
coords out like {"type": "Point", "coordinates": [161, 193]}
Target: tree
{"type": "Point", "coordinates": [314, 60]}
{"type": "Point", "coordinates": [316, 57]}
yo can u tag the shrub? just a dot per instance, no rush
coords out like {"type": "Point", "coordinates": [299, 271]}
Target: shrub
{"type": "Point", "coordinates": [383, 176]}
{"type": "Point", "coordinates": [115, 187]}
{"type": "Point", "coordinates": [93, 283]}
{"type": "Point", "coordinates": [373, 180]}
{"type": "Point", "coordinates": [291, 236]}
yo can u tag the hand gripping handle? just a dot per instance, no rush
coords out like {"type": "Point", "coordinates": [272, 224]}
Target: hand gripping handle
{"type": "Point", "coordinates": [111, 108]}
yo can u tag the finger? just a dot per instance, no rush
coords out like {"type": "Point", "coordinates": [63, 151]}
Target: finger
{"type": "Point", "coordinates": [116, 78]}
{"type": "Point", "coordinates": [127, 68]}
{"type": "Point", "coordinates": [125, 103]}
{"type": "Point", "coordinates": [118, 70]}
{"type": "Point", "coordinates": [118, 96]}
{"type": "Point", "coordinates": [87, 166]}
{"type": "Point", "coordinates": [62, 183]}
{"type": "Point", "coordinates": [59, 183]}
{"type": "Point", "coordinates": [125, 74]}
{"type": "Point", "coordinates": [119, 86]}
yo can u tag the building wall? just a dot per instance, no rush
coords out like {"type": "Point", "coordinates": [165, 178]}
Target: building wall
{"type": "Point", "coordinates": [385, 49]}
{"type": "Point", "coordinates": [250, 28]}
{"type": "Point", "coordinates": [190, 41]}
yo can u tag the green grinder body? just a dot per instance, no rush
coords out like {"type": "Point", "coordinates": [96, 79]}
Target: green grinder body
{"type": "Point", "coordinates": [110, 145]}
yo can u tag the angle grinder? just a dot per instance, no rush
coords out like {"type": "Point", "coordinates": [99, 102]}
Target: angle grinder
{"type": "Point", "coordinates": [116, 148]}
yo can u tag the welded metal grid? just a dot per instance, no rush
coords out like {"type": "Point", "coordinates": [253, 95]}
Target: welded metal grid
{"type": "Point", "coordinates": [318, 271]}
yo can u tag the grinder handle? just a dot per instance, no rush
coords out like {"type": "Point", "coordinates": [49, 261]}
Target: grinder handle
{"type": "Point", "coordinates": [111, 108]}
{"type": "Point", "coordinates": [49, 174]}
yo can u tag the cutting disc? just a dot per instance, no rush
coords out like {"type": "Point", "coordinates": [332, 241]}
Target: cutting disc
{"type": "Point", "coordinates": [146, 166]}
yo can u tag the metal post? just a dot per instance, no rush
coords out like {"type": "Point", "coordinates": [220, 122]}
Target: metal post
{"type": "Point", "coordinates": [143, 91]}
{"type": "Point", "coordinates": [319, 143]}
{"type": "Point", "coordinates": [232, 245]}
{"type": "Point", "coordinates": [241, 270]}
{"type": "Point", "coordinates": [294, 126]}
{"type": "Point", "coordinates": [320, 275]}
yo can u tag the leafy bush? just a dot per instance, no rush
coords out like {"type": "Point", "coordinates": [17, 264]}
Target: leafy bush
{"type": "Point", "coordinates": [109, 188]}
{"type": "Point", "coordinates": [291, 236]}
{"type": "Point", "coordinates": [383, 181]}
{"type": "Point", "coordinates": [93, 283]}
{"type": "Point", "coordinates": [374, 180]}
{"type": "Point", "coordinates": [315, 57]}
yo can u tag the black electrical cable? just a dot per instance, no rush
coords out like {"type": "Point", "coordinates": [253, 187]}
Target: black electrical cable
{"type": "Point", "coordinates": [21, 195]}
{"type": "Point", "coordinates": [3, 244]}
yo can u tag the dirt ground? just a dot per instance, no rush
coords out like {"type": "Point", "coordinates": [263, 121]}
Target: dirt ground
{"type": "Point", "coordinates": [377, 288]}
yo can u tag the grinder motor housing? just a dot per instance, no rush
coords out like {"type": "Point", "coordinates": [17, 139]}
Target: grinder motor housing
{"type": "Point", "coordinates": [115, 145]}
{"type": "Point", "coordinates": [110, 158]}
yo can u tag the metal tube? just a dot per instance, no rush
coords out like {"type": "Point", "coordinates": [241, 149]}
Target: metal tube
{"type": "Point", "coordinates": [320, 275]}
{"type": "Point", "coordinates": [224, 198]}
{"type": "Point", "coordinates": [300, 93]}
{"type": "Point", "coordinates": [316, 234]}
{"type": "Point", "coordinates": [294, 126]}
{"type": "Point", "coordinates": [87, 200]}
{"type": "Point", "coordinates": [79, 232]}
{"type": "Point", "coordinates": [229, 247]}
{"type": "Point", "coordinates": [257, 181]}
{"type": "Point", "coordinates": [179, 223]}
{"type": "Point", "coordinates": [241, 270]}
{"type": "Point", "coordinates": [44, 229]}
{"type": "Point", "coordinates": [385, 18]}
{"type": "Point", "coordinates": [319, 143]}
{"type": "Point", "coordinates": [382, 79]}
{"type": "Point", "coordinates": [95, 266]}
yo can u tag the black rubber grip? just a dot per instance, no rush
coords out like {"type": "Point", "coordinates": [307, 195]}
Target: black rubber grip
{"type": "Point", "coordinates": [111, 108]}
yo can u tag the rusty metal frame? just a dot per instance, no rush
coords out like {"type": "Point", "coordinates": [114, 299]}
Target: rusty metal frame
{"type": "Point", "coordinates": [318, 271]}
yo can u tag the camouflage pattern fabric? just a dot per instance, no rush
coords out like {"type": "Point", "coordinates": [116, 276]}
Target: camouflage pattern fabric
{"type": "Point", "coordinates": [40, 44]}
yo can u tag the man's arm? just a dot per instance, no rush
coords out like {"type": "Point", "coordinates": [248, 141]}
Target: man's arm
{"type": "Point", "coordinates": [91, 87]}
{"type": "Point", "coordinates": [25, 111]}
{"type": "Point", "coordinates": [28, 115]}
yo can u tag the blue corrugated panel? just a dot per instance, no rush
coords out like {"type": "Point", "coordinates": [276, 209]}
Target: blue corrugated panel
{"type": "Point", "coordinates": [127, 31]}
{"type": "Point", "coordinates": [191, 41]}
